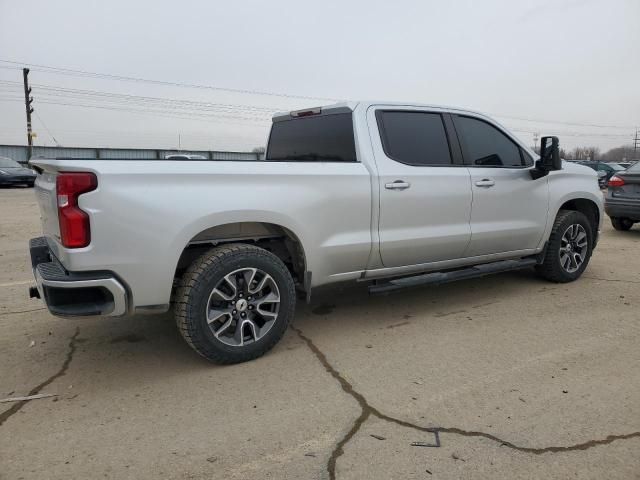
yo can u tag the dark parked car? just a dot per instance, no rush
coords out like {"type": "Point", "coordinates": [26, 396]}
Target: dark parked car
{"type": "Point", "coordinates": [622, 201]}
{"type": "Point", "coordinates": [609, 169]}
{"type": "Point", "coordinates": [12, 173]}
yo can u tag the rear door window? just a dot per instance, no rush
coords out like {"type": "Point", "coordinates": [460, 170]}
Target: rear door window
{"type": "Point", "coordinates": [324, 138]}
{"type": "Point", "coordinates": [414, 138]}
{"type": "Point", "coordinates": [483, 145]}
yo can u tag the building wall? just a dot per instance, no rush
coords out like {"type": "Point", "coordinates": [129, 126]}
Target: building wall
{"type": "Point", "coordinates": [19, 153]}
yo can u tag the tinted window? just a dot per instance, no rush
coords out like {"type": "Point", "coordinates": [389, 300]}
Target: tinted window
{"type": "Point", "coordinates": [485, 145]}
{"type": "Point", "coordinates": [615, 166]}
{"type": "Point", "coordinates": [323, 138]}
{"type": "Point", "coordinates": [414, 138]}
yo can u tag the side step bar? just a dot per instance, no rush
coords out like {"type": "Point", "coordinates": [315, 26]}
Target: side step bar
{"type": "Point", "coordinates": [438, 278]}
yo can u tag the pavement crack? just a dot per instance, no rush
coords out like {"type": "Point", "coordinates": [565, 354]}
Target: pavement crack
{"type": "Point", "coordinates": [23, 311]}
{"type": "Point", "coordinates": [4, 416]}
{"type": "Point", "coordinates": [367, 411]}
{"type": "Point", "coordinates": [611, 279]}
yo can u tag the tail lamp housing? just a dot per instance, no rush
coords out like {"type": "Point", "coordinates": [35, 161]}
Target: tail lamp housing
{"type": "Point", "coordinates": [75, 228]}
{"type": "Point", "coordinates": [615, 181]}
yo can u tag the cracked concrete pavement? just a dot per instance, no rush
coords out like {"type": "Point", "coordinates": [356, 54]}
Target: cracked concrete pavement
{"type": "Point", "coordinates": [517, 377]}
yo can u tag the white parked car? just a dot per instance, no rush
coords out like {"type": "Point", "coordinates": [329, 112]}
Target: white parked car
{"type": "Point", "coordinates": [184, 156]}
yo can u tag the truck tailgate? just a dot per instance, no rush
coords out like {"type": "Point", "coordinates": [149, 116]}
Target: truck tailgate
{"type": "Point", "coordinates": [45, 188]}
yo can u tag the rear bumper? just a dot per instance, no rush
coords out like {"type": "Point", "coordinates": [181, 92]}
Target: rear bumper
{"type": "Point", "coordinates": [75, 294]}
{"type": "Point", "coordinates": [623, 208]}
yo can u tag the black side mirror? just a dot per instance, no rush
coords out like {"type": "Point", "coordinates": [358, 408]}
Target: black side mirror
{"type": "Point", "coordinates": [549, 157]}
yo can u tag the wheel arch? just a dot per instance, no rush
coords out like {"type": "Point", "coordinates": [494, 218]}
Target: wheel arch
{"type": "Point", "coordinates": [587, 207]}
{"type": "Point", "coordinates": [278, 239]}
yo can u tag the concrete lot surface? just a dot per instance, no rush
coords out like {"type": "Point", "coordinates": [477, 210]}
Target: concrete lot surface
{"type": "Point", "coordinates": [516, 377]}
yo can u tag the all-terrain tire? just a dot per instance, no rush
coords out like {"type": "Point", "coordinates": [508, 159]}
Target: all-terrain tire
{"type": "Point", "coordinates": [551, 268]}
{"type": "Point", "coordinates": [193, 296]}
{"type": "Point", "coordinates": [621, 223]}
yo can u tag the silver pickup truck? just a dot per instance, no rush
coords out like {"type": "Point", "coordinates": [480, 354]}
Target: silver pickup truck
{"type": "Point", "coordinates": [398, 195]}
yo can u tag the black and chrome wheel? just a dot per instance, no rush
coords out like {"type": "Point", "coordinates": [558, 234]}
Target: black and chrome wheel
{"type": "Point", "coordinates": [568, 249]}
{"type": "Point", "coordinates": [235, 303]}
{"type": "Point", "coordinates": [574, 246]}
{"type": "Point", "coordinates": [243, 306]}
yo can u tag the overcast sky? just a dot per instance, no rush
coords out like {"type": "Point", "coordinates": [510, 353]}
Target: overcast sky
{"type": "Point", "coordinates": [571, 61]}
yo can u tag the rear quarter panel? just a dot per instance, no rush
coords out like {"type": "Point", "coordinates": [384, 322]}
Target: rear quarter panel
{"type": "Point", "coordinates": [144, 213]}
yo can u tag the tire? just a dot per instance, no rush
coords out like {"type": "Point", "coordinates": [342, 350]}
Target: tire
{"type": "Point", "coordinates": [554, 267]}
{"type": "Point", "coordinates": [621, 223]}
{"type": "Point", "coordinates": [208, 284]}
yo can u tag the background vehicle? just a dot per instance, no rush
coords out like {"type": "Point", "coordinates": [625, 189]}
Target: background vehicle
{"type": "Point", "coordinates": [401, 194]}
{"type": "Point", "coordinates": [185, 156]}
{"type": "Point", "coordinates": [12, 173]}
{"type": "Point", "coordinates": [609, 169]}
{"type": "Point", "coordinates": [622, 200]}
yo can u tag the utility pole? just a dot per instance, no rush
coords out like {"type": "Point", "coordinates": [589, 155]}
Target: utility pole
{"type": "Point", "coordinates": [636, 144]}
{"type": "Point", "coordinates": [28, 100]}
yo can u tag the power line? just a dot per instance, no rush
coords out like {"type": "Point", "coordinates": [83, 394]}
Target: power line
{"type": "Point", "coordinates": [47, 129]}
{"type": "Point", "coordinates": [128, 98]}
{"type": "Point", "coordinates": [561, 122]}
{"type": "Point", "coordinates": [213, 118]}
{"type": "Point", "coordinates": [84, 73]}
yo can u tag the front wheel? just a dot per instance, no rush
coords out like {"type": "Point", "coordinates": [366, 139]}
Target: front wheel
{"type": "Point", "coordinates": [569, 248]}
{"type": "Point", "coordinates": [235, 303]}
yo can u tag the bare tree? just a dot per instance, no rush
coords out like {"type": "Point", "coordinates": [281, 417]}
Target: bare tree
{"type": "Point", "coordinates": [619, 154]}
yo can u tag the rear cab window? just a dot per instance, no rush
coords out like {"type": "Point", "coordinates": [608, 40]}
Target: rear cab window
{"type": "Point", "coordinates": [317, 138]}
{"type": "Point", "coordinates": [414, 137]}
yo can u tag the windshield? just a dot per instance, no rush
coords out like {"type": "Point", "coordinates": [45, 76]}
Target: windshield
{"type": "Point", "coordinates": [8, 163]}
{"type": "Point", "coordinates": [635, 168]}
{"type": "Point", "coordinates": [616, 166]}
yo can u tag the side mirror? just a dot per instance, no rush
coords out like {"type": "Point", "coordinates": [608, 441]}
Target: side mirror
{"type": "Point", "coordinates": [550, 153]}
{"type": "Point", "coordinates": [549, 157]}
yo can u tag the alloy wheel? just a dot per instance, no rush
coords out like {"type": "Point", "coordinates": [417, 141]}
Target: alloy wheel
{"type": "Point", "coordinates": [573, 248]}
{"type": "Point", "coordinates": [243, 306]}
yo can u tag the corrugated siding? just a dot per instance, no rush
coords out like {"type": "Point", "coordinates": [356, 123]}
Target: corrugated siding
{"type": "Point", "coordinates": [54, 152]}
{"type": "Point", "coordinates": [19, 153]}
{"type": "Point", "coordinates": [121, 154]}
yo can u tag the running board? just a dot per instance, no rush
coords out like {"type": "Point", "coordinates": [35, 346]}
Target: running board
{"type": "Point", "coordinates": [438, 278]}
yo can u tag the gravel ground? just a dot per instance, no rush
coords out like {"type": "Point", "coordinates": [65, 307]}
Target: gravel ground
{"type": "Point", "coordinates": [511, 376]}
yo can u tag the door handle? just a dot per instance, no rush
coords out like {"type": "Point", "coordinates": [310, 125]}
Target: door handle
{"type": "Point", "coordinates": [485, 182]}
{"type": "Point", "coordinates": [397, 185]}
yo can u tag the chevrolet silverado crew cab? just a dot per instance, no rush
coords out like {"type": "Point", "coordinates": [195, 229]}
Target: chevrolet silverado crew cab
{"type": "Point", "coordinates": [396, 195]}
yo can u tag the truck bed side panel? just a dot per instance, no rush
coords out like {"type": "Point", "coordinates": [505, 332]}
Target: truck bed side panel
{"type": "Point", "coordinates": [144, 213]}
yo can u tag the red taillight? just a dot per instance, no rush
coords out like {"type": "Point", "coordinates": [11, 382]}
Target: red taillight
{"type": "Point", "coordinates": [75, 231]}
{"type": "Point", "coordinates": [615, 181]}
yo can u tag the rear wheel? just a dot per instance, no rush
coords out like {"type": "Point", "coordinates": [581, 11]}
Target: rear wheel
{"type": "Point", "coordinates": [621, 223]}
{"type": "Point", "coordinates": [569, 248]}
{"type": "Point", "coordinates": [235, 303]}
